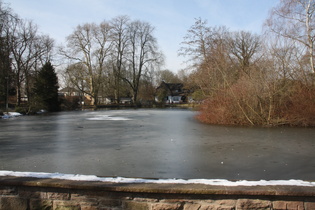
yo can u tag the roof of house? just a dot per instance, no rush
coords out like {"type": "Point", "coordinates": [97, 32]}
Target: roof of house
{"type": "Point", "coordinates": [171, 86]}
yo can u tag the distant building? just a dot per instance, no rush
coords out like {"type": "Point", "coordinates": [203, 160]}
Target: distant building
{"type": "Point", "coordinates": [69, 91]}
{"type": "Point", "coordinates": [104, 100]}
{"type": "Point", "coordinates": [125, 100]}
{"type": "Point", "coordinates": [171, 93]}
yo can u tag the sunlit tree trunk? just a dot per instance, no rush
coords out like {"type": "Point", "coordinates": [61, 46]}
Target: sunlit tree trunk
{"type": "Point", "coordinates": [294, 19]}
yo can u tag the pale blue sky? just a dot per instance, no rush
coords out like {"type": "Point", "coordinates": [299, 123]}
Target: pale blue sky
{"type": "Point", "coordinates": [171, 18]}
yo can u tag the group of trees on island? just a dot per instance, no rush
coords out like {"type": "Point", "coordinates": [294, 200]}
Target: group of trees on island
{"type": "Point", "coordinates": [252, 79]}
{"type": "Point", "coordinates": [238, 77]}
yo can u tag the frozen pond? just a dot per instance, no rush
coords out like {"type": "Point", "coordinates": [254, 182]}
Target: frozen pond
{"type": "Point", "coordinates": [154, 143]}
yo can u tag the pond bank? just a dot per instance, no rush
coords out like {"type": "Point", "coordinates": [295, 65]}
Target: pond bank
{"type": "Point", "coordinates": [35, 193]}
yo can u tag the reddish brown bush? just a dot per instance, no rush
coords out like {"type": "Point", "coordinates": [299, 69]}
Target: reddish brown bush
{"type": "Point", "coordinates": [249, 103]}
{"type": "Point", "coordinates": [300, 108]}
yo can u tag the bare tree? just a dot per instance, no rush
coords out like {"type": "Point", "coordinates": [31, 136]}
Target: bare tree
{"type": "Point", "coordinates": [26, 51]}
{"type": "Point", "coordinates": [90, 45]}
{"type": "Point", "coordinates": [284, 56]}
{"type": "Point", "coordinates": [30, 50]}
{"type": "Point", "coordinates": [7, 18]}
{"type": "Point", "coordinates": [207, 49]}
{"type": "Point", "coordinates": [294, 19]}
{"type": "Point", "coordinates": [166, 76]}
{"type": "Point", "coordinates": [243, 46]}
{"type": "Point", "coordinates": [196, 43]}
{"type": "Point", "coordinates": [143, 55]}
{"type": "Point", "coordinates": [75, 76]}
{"type": "Point", "coordinates": [120, 46]}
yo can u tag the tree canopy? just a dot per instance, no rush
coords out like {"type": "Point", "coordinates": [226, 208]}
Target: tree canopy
{"type": "Point", "coordinates": [46, 89]}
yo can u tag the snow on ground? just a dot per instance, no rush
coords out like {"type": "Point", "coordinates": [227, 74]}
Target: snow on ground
{"type": "Point", "coordinates": [221, 182]}
{"type": "Point", "coordinates": [10, 115]}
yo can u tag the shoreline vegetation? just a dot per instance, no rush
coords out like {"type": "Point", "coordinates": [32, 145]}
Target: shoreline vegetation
{"type": "Point", "coordinates": [203, 115]}
{"type": "Point", "coordinates": [291, 105]}
{"type": "Point", "coordinates": [235, 77]}
{"type": "Point", "coordinates": [249, 79]}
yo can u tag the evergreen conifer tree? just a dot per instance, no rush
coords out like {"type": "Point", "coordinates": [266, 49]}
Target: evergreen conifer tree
{"type": "Point", "coordinates": [5, 70]}
{"type": "Point", "coordinates": [46, 89]}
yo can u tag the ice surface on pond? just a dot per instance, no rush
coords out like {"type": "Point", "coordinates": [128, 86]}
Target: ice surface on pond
{"type": "Point", "coordinates": [154, 143]}
{"type": "Point", "coordinates": [108, 117]}
{"type": "Point", "coordinates": [217, 182]}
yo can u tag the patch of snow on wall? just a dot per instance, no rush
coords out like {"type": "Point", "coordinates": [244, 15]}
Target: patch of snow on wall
{"type": "Point", "coordinates": [218, 182]}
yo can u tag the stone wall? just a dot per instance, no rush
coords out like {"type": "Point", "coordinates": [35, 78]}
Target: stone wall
{"type": "Point", "coordinates": [18, 193]}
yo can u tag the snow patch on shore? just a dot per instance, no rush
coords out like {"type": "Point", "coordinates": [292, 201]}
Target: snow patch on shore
{"type": "Point", "coordinates": [8, 115]}
{"type": "Point", "coordinates": [220, 182]}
